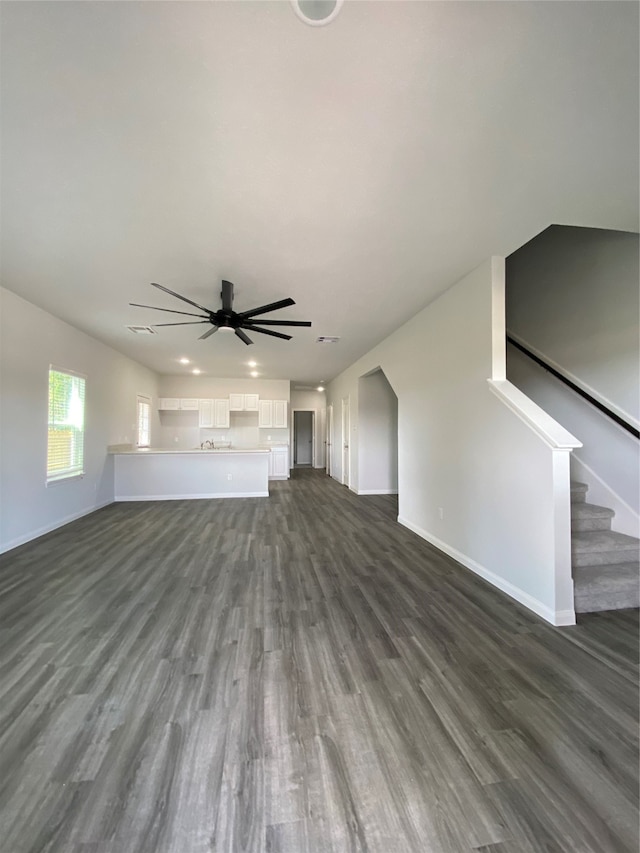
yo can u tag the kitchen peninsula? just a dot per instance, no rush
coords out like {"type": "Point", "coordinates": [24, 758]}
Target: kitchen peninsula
{"type": "Point", "coordinates": [157, 475]}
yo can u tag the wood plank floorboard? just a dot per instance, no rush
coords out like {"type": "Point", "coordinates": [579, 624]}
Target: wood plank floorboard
{"type": "Point", "coordinates": [299, 674]}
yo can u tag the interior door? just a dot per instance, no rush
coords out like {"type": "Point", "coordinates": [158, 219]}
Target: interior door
{"type": "Point", "coordinates": [346, 432]}
{"type": "Point", "coordinates": [329, 429]}
{"type": "Point", "coordinates": [303, 438]}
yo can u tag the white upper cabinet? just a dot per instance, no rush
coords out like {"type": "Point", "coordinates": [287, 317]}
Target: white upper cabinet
{"type": "Point", "coordinates": [272, 413]}
{"type": "Point", "coordinates": [206, 413]}
{"type": "Point", "coordinates": [243, 402]}
{"type": "Point", "coordinates": [213, 414]}
{"type": "Point", "coordinates": [190, 404]}
{"type": "Point", "coordinates": [177, 404]}
{"type": "Point", "coordinates": [169, 403]}
{"type": "Point", "coordinates": [265, 413]}
{"type": "Point", "coordinates": [221, 414]}
{"type": "Point", "coordinates": [279, 414]}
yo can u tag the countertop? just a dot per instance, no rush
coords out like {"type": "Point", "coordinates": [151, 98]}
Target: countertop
{"type": "Point", "coordinates": [164, 451]}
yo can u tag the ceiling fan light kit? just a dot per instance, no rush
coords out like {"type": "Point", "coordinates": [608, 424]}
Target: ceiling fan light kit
{"type": "Point", "coordinates": [226, 319]}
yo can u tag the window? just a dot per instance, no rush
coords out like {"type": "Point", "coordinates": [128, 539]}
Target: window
{"type": "Point", "coordinates": [144, 421]}
{"type": "Point", "coordinates": [65, 447]}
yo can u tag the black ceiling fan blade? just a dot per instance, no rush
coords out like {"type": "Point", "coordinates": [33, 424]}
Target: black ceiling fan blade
{"type": "Point", "coordinates": [178, 296]}
{"type": "Point", "coordinates": [264, 309]}
{"type": "Point", "coordinates": [169, 310]}
{"type": "Point", "coordinates": [247, 340]}
{"type": "Point", "coordinates": [227, 295]}
{"type": "Point", "coordinates": [209, 332]}
{"type": "Point", "coordinates": [280, 322]}
{"type": "Point", "coordinates": [183, 323]}
{"type": "Point", "coordinates": [269, 332]}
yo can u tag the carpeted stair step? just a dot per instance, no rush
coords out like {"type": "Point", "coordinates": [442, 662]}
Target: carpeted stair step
{"type": "Point", "coordinates": [605, 564]}
{"type": "Point", "coordinates": [603, 548]}
{"type": "Point", "coordinates": [613, 587]}
{"type": "Point", "coordinates": [586, 516]}
{"type": "Point", "coordinates": [578, 491]}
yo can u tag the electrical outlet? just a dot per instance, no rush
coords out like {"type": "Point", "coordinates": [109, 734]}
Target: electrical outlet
{"type": "Point", "coordinates": [229, 476]}
{"type": "Point", "coordinates": [441, 512]}
{"type": "Point", "coordinates": [176, 439]}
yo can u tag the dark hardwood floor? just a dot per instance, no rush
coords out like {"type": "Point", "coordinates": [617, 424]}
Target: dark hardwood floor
{"type": "Point", "coordinates": [299, 673]}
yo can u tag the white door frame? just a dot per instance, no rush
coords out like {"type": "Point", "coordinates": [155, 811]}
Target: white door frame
{"type": "Point", "coordinates": [313, 436]}
{"type": "Point", "coordinates": [346, 435]}
{"type": "Point", "coordinates": [328, 444]}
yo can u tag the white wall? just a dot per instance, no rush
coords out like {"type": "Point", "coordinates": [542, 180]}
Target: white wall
{"type": "Point", "coordinates": [180, 431]}
{"type": "Point", "coordinates": [503, 491]}
{"type": "Point", "coordinates": [573, 297]}
{"type": "Point", "coordinates": [608, 461]}
{"type": "Point", "coordinates": [315, 401]}
{"type": "Point", "coordinates": [31, 340]}
{"type": "Point", "coordinates": [378, 440]}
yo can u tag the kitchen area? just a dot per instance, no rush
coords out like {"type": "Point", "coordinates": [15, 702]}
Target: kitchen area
{"type": "Point", "coordinates": [211, 438]}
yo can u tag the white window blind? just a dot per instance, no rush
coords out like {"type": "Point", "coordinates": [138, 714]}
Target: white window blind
{"type": "Point", "coordinates": [65, 448]}
{"type": "Point", "coordinates": [144, 421]}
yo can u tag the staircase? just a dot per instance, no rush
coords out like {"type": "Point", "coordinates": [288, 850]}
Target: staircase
{"type": "Point", "coordinates": [606, 565]}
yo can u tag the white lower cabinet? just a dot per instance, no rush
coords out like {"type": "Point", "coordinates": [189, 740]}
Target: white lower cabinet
{"type": "Point", "coordinates": [279, 463]}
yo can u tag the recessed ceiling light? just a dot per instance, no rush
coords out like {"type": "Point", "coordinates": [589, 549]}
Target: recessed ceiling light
{"type": "Point", "coordinates": [316, 13]}
{"type": "Point", "coordinates": [252, 363]}
{"type": "Point", "coordinates": [196, 370]}
{"type": "Point", "coordinates": [327, 339]}
{"type": "Point", "coordinates": [254, 373]}
{"type": "Point", "coordinates": [319, 388]}
{"type": "Point", "coordinates": [184, 361]}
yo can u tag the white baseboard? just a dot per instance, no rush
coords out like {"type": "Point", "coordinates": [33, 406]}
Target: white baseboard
{"type": "Point", "coordinates": [191, 497]}
{"type": "Point", "coordinates": [557, 618]}
{"type": "Point", "coordinates": [377, 492]}
{"type": "Point", "coordinates": [48, 528]}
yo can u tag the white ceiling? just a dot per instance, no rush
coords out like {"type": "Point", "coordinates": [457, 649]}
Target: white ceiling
{"type": "Point", "coordinates": [360, 168]}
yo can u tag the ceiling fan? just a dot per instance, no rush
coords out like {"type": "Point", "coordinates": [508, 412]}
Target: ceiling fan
{"type": "Point", "coordinates": [226, 318]}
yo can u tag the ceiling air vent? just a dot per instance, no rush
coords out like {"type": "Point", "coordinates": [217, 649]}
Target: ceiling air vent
{"type": "Point", "coordinates": [142, 330]}
{"type": "Point", "coordinates": [327, 339]}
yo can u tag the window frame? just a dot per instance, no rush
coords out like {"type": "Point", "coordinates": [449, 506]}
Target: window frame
{"type": "Point", "coordinates": [143, 400]}
{"type": "Point", "coordinates": [75, 471]}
